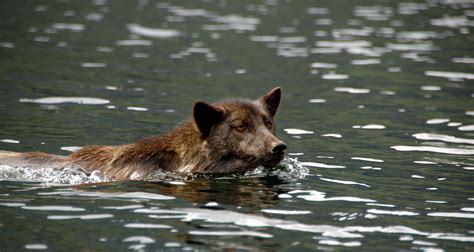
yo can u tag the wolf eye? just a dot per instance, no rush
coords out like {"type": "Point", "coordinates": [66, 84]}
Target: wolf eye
{"type": "Point", "coordinates": [241, 128]}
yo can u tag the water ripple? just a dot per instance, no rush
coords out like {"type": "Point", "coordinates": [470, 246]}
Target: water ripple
{"type": "Point", "coordinates": [442, 150]}
{"type": "Point", "coordinates": [153, 32]}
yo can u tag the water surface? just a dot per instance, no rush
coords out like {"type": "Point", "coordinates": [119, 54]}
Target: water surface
{"type": "Point", "coordinates": [377, 106]}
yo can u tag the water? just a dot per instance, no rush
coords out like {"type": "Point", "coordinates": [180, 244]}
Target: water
{"type": "Point", "coordinates": [377, 106]}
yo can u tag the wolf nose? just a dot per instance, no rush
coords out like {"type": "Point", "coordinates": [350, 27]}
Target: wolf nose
{"type": "Point", "coordinates": [279, 148]}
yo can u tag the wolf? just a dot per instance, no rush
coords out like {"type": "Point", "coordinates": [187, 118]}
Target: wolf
{"type": "Point", "coordinates": [229, 136]}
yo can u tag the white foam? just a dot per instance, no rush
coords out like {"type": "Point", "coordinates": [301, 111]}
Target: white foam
{"type": "Point", "coordinates": [94, 16]}
{"type": "Point", "coordinates": [172, 245]}
{"type": "Point", "coordinates": [147, 226]}
{"type": "Point", "coordinates": [153, 32]}
{"type": "Point", "coordinates": [284, 196]}
{"type": "Point", "coordinates": [317, 100]}
{"type": "Point", "coordinates": [450, 75]}
{"type": "Point", "coordinates": [430, 88]}
{"type": "Point", "coordinates": [469, 127]}
{"type": "Point", "coordinates": [291, 40]}
{"type": "Point", "coordinates": [154, 210]}
{"type": "Point", "coordinates": [466, 60]}
{"type": "Point", "coordinates": [425, 243]}
{"type": "Point", "coordinates": [12, 204]}
{"type": "Point", "coordinates": [452, 215]}
{"type": "Point", "coordinates": [133, 108]}
{"type": "Point", "coordinates": [139, 239]}
{"type": "Point", "coordinates": [406, 238]}
{"type": "Point", "coordinates": [344, 44]}
{"type": "Point", "coordinates": [338, 243]}
{"type": "Point", "coordinates": [366, 62]}
{"type": "Point", "coordinates": [424, 162]}
{"type": "Point", "coordinates": [93, 64]}
{"type": "Point", "coordinates": [398, 213]}
{"type": "Point", "coordinates": [352, 90]}
{"type": "Point", "coordinates": [417, 35]}
{"type": "Point", "coordinates": [332, 135]}
{"type": "Point", "coordinates": [321, 165]}
{"type": "Point", "coordinates": [442, 150]}
{"type": "Point", "coordinates": [180, 11]}
{"type": "Point", "coordinates": [444, 138]}
{"type": "Point", "coordinates": [235, 22]}
{"type": "Point", "coordinates": [425, 46]}
{"type": "Point", "coordinates": [335, 76]}
{"type": "Point", "coordinates": [231, 233]}
{"type": "Point", "coordinates": [378, 204]}
{"type": "Point", "coordinates": [7, 45]}
{"type": "Point", "coordinates": [60, 100]}
{"type": "Point", "coordinates": [312, 195]}
{"type": "Point", "coordinates": [54, 208]}
{"type": "Point", "coordinates": [71, 27]}
{"type": "Point", "coordinates": [454, 124]}
{"type": "Point", "coordinates": [437, 121]}
{"type": "Point", "coordinates": [105, 49]}
{"type": "Point", "coordinates": [81, 217]}
{"type": "Point", "coordinates": [373, 126]}
{"type": "Point", "coordinates": [12, 141]}
{"type": "Point", "coordinates": [323, 65]}
{"type": "Point", "coordinates": [452, 21]}
{"type": "Point", "coordinates": [436, 201]}
{"type": "Point", "coordinates": [292, 131]}
{"type": "Point", "coordinates": [385, 230]}
{"type": "Point", "coordinates": [211, 204]}
{"type": "Point", "coordinates": [364, 32]}
{"type": "Point", "coordinates": [134, 42]}
{"type": "Point", "coordinates": [285, 212]}
{"type": "Point", "coordinates": [450, 236]}
{"type": "Point", "coordinates": [121, 195]}
{"type": "Point", "coordinates": [176, 183]}
{"type": "Point", "coordinates": [68, 175]}
{"type": "Point", "coordinates": [126, 207]}
{"type": "Point", "coordinates": [36, 246]}
{"type": "Point", "coordinates": [368, 159]}
{"type": "Point", "coordinates": [344, 182]}
{"type": "Point", "coordinates": [70, 148]}
{"type": "Point", "coordinates": [266, 39]}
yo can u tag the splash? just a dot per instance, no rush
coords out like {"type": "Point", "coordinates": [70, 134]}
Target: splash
{"type": "Point", "coordinates": [68, 175]}
{"type": "Point", "coordinates": [289, 168]}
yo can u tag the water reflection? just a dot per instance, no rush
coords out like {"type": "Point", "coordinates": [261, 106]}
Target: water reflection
{"type": "Point", "coordinates": [246, 192]}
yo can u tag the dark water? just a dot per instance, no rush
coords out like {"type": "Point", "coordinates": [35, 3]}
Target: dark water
{"type": "Point", "coordinates": [377, 104]}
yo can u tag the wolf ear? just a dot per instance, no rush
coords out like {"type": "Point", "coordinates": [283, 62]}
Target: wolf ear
{"type": "Point", "coordinates": [206, 116]}
{"type": "Point", "coordinates": [271, 100]}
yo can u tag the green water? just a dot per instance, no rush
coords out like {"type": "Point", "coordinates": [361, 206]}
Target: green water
{"type": "Point", "coordinates": [375, 183]}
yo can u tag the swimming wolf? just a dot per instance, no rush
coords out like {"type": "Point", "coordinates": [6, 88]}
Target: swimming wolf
{"type": "Point", "coordinates": [224, 137]}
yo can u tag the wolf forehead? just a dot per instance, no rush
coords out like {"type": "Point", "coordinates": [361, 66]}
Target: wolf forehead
{"type": "Point", "coordinates": [242, 109]}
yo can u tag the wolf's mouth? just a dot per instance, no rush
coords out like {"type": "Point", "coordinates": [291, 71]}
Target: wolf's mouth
{"type": "Point", "coordinates": [273, 160]}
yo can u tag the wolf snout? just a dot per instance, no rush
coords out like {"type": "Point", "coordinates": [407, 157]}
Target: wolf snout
{"type": "Point", "coordinates": [279, 148]}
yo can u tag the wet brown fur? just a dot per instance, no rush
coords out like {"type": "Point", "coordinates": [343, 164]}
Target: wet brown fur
{"type": "Point", "coordinates": [210, 142]}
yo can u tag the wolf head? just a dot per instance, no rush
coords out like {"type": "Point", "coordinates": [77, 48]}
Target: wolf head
{"type": "Point", "coordinates": [240, 134]}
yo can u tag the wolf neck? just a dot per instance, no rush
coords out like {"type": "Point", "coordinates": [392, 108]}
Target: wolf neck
{"type": "Point", "coordinates": [182, 150]}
